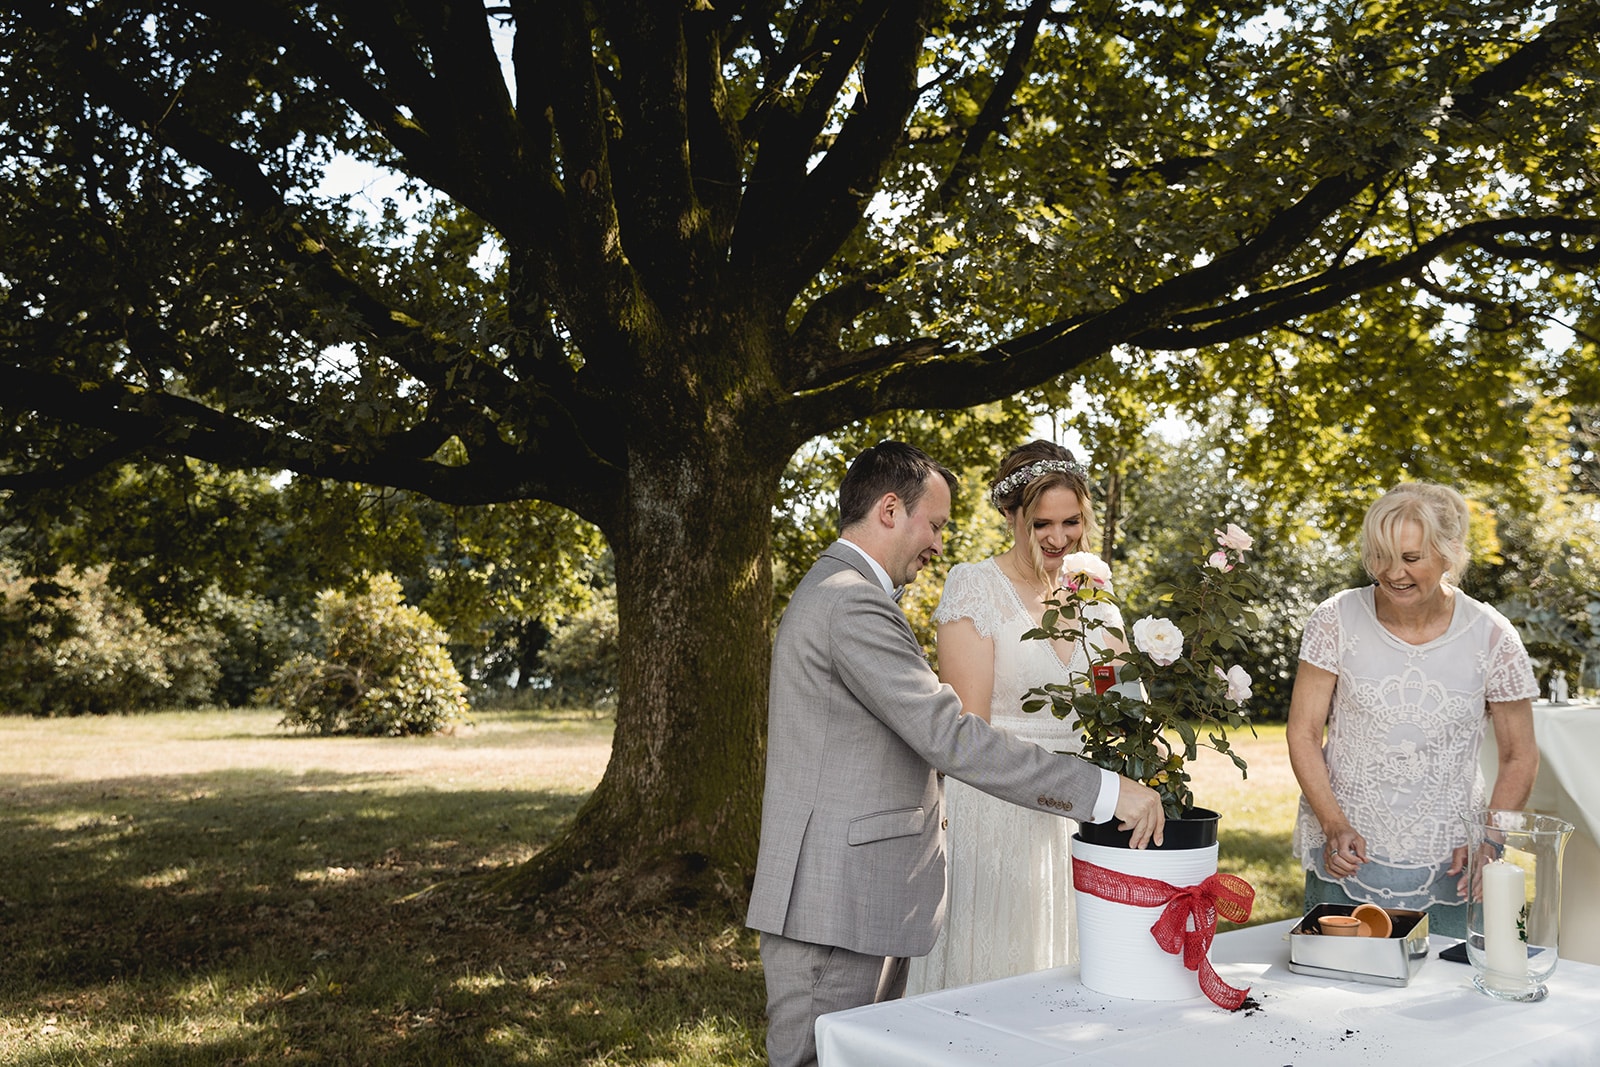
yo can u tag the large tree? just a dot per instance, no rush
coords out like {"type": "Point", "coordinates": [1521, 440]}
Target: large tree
{"type": "Point", "coordinates": [663, 245]}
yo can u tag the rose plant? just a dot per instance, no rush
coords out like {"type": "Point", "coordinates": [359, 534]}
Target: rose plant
{"type": "Point", "coordinates": [1176, 679]}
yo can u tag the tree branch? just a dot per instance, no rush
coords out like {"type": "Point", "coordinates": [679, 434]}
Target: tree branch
{"type": "Point", "coordinates": [1257, 312]}
{"type": "Point", "coordinates": [993, 114]}
{"type": "Point", "coordinates": [1293, 226]}
{"type": "Point", "coordinates": [410, 134]}
{"type": "Point", "coordinates": [662, 224]}
{"type": "Point", "coordinates": [716, 147]}
{"type": "Point", "coordinates": [70, 472]}
{"type": "Point", "coordinates": [430, 357]}
{"type": "Point", "coordinates": [832, 198]}
{"type": "Point", "coordinates": [1153, 319]}
{"type": "Point", "coordinates": [814, 356]}
{"type": "Point", "coordinates": [480, 157]}
{"type": "Point", "coordinates": [747, 24]}
{"type": "Point", "coordinates": [588, 274]}
{"type": "Point", "coordinates": [768, 231]}
{"type": "Point", "coordinates": [779, 62]}
{"type": "Point", "coordinates": [140, 421]}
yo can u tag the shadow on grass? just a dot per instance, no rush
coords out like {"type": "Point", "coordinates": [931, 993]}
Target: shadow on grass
{"type": "Point", "coordinates": [259, 917]}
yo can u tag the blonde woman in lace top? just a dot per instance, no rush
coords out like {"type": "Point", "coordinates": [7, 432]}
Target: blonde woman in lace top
{"type": "Point", "coordinates": [1396, 684]}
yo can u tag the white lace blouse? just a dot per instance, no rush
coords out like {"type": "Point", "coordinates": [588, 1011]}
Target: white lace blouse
{"type": "Point", "coordinates": [1404, 731]}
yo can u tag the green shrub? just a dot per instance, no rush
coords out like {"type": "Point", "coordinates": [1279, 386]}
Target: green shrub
{"type": "Point", "coordinates": [581, 660]}
{"type": "Point", "coordinates": [72, 645]}
{"type": "Point", "coordinates": [380, 668]}
{"type": "Point", "coordinates": [257, 636]}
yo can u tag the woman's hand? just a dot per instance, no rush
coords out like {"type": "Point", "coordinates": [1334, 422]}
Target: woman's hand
{"type": "Point", "coordinates": [1488, 852]}
{"type": "Point", "coordinates": [1458, 865]}
{"type": "Point", "coordinates": [1345, 851]}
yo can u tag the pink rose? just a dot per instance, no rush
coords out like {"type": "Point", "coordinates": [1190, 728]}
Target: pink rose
{"type": "Point", "coordinates": [1234, 538]}
{"type": "Point", "coordinates": [1076, 566]}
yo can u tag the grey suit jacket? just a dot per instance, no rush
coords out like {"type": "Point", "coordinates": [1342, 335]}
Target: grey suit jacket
{"type": "Point", "coordinates": [852, 846]}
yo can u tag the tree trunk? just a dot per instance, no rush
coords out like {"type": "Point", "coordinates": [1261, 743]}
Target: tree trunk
{"type": "Point", "coordinates": [1113, 507]}
{"type": "Point", "coordinates": [678, 811]}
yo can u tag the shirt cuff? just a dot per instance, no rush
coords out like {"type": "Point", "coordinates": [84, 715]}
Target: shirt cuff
{"type": "Point", "coordinates": [1105, 805]}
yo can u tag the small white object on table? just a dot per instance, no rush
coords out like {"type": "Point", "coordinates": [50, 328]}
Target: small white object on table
{"type": "Point", "coordinates": [1569, 788]}
{"type": "Point", "coordinates": [1049, 1018]}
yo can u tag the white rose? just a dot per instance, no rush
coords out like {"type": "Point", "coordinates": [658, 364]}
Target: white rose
{"type": "Point", "coordinates": [1160, 639]}
{"type": "Point", "coordinates": [1235, 538]}
{"type": "Point", "coordinates": [1219, 560]}
{"type": "Point", "coordinates": [1085, 563]}
{"type": "Point", "coordinates": [1238, 680]}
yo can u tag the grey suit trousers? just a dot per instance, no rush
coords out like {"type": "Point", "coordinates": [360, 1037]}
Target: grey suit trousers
{"type": "Point", "coordinates": [806, 980]}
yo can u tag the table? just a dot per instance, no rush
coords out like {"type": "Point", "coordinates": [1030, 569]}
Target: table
{"type": "Point", "coordinates": [1569, 787]}
{"type": "Point", "coordinates": [1049, 1018]}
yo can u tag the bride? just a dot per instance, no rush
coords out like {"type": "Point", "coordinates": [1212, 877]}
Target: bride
{"type": "Point", "coordinates": [1009, 905]}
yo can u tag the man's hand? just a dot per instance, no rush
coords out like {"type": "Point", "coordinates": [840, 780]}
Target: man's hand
{"type": "Point", "coordinates": [1139, 810]}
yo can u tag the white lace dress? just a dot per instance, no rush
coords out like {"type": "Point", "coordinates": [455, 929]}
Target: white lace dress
{"type": "Point", "coordinates": [1009, 906]}
{"type": "Point", "coordinates": [1403, 737]}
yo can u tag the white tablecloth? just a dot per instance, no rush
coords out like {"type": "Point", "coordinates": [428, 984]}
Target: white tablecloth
{"type": "Point", "coordinates": [1049, 1018]}
{"type": "Point", "coordinates": [1569, 786]}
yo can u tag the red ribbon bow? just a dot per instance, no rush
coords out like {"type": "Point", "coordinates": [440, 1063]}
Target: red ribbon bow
{"type": "Point", "coordinates": [1221, 894]}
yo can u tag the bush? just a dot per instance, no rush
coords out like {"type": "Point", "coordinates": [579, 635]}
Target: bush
{"type": "Point", "coordinates": [72, 645]}
{"type": "Point", "coordinates": [380, 669]}
{"type": "Point", "coordinates": [256, 636]}
{"type": "Point", "coordinates": [581, 661]}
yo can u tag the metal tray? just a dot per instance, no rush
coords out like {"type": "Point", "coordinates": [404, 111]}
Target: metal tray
{"type": "Point", "coordinates": [1388, 960]}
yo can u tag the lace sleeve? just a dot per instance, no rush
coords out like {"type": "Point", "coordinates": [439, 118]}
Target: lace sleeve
{"type": "Point", "coordinates": [1510, 671]}
{"type": "Point", "coordinates": [1319, 644]}
{"type": "Point", "coordinates": [966, 596]}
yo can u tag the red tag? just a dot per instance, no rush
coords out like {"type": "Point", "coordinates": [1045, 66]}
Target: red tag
{"type": "Point", "coordinates": [1105, 676]}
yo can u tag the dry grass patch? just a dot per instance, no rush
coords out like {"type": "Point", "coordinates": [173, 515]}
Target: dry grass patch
{"type": "Point", "coordinates": [1257, 825]}
{"type": "Point", "coordinates": [199, 888]}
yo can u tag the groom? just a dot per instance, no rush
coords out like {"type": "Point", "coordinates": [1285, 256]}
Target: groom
{"type": "Point", "coordinates": [850, 878]}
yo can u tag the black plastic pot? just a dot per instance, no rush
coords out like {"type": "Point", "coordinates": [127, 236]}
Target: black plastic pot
{"type": "Point", "coordinates": [1197, 829]}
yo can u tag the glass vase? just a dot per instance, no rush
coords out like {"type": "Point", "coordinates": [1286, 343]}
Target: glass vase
{"type": "Point", "coordinates": [1514, 900]}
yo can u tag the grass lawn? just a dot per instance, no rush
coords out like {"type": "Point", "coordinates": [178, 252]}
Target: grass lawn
{"type": "Point", "coordinates": [1257, 823]}
{"type": "Point", "coordinates": [200, 888]}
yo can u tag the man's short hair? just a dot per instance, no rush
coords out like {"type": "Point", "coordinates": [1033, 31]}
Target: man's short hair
{"type": "Point", "coordinates": [887, 467]}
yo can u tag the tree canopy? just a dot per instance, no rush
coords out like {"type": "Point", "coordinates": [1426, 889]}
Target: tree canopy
{"type": "Point", "coordinates": [657, 247]}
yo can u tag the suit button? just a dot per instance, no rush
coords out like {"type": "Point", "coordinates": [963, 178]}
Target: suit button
{"type": "Point", "coordinates": [1067, 806]}
{"type": "Point", "coordinates": [941, 775]}
{"type": "Point", "coordinates": [944, 824]}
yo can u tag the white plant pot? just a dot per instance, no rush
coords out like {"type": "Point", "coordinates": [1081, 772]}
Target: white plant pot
{"type": "Point", "coordinates": [1116, 953]}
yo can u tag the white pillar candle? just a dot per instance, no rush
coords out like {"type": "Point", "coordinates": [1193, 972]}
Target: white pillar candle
{"type": "Point", "coordinates": [1505, 954]}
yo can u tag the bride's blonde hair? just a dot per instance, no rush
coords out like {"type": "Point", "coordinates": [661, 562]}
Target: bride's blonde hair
{"type": "Point", "coordinates": [1025, 475]}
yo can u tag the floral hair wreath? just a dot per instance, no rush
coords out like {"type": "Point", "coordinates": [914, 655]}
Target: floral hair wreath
{"type": "Point", "coordinates": [1033, 470]}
